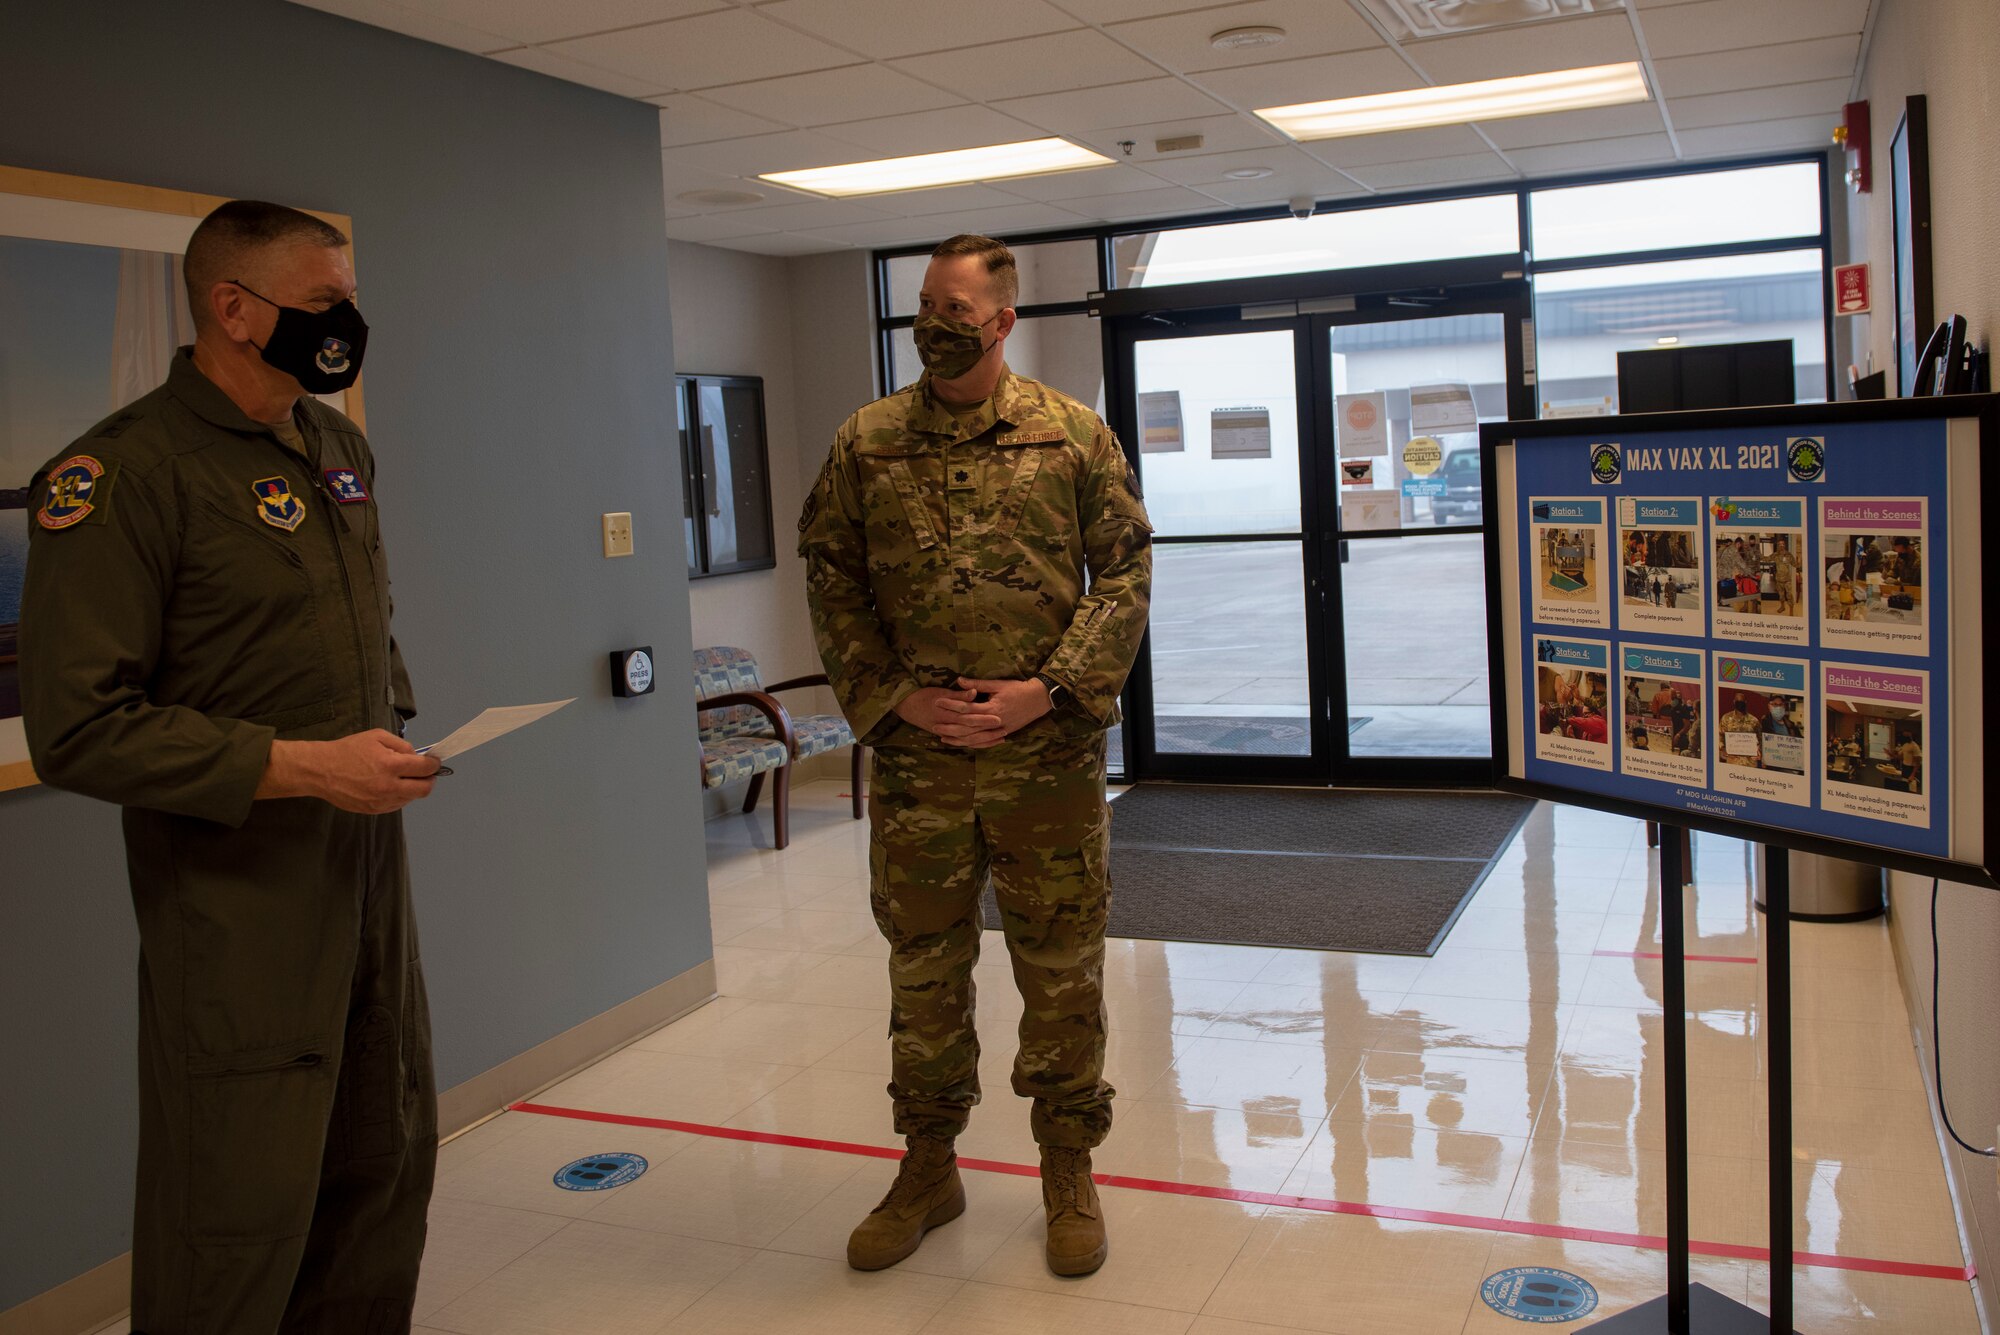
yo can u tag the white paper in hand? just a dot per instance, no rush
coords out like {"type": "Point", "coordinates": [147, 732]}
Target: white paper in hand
{"type": "Point", "coordinates": [493, 723]}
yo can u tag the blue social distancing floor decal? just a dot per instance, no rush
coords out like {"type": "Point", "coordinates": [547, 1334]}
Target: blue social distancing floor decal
{"type": "Point", "coordinates": [600, 1172]}
{"type": "Point", "coordinates": [1534, 1293]}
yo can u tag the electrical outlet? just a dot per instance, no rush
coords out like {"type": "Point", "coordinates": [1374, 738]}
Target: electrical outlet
{"type": "Point", "coordinates": [618, 534]}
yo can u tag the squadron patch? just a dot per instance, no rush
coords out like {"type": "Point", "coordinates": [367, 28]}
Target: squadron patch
{"type": "Point", "coordinates": [78, 488]}
{"type": "Point", "coordinates": [344, 485]}
{"type": "Point", "coordinates": [276, 505]}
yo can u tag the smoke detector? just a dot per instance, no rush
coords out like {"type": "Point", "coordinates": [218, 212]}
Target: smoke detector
{"type": "Point", "coordinates": [1248, 173]}
{"type": "Point", "coordinates": [1409, 19]}
{"type": "Point", "coordinates": [1246, 38]}
{"type": "Point", "coordinates": [720, 199]}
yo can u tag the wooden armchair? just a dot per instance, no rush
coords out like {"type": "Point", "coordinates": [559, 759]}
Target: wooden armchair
{"type": "Point", "coordinates": [746, 733]}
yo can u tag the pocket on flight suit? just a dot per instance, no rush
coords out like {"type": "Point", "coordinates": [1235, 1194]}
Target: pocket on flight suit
{"type": "Point", "coordinates": [257, 1122]}
{"type": "Point", "coordinates": [898, 522]}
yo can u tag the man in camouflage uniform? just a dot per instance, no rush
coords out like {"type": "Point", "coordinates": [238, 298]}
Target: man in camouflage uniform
{"type": "Point", "coordinates": [978, 565]}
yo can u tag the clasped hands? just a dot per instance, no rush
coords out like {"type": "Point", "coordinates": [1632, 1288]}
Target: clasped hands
{"type": "Point", "coordinates": [960, 717]}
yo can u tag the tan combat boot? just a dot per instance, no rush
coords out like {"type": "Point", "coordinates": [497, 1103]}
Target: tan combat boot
{"type": "Point", "coordinates": [926, 1193]}
{"type": "Point", "coordinates": [1077, 1244]}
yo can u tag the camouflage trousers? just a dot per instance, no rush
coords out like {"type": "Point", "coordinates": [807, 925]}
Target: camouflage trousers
{"type": "Point", "coordinates": [1029, 817]}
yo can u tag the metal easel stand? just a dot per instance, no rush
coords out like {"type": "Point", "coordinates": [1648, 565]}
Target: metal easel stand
{"type": "Point", "coordinates": [1696, 1309]}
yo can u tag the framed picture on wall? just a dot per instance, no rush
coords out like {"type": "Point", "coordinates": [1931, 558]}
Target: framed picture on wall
{"type": "Point", "coordinates": [1910, 213]}
{"type": "Point", "coordinates": [92, 309]}
{"type": "Point", "coordinates": [725, 474]}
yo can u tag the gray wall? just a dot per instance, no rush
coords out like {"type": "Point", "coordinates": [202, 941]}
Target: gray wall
{"type": "Point", "coordinates": [509, 246]}
{"type": "Point", "coordinates": [1947, 50]}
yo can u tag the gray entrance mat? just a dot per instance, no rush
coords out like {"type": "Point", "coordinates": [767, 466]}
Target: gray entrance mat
{"type": "Point", "coordinates": [1320, 869]}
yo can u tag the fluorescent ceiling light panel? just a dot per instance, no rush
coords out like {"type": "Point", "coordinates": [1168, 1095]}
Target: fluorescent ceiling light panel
{"type": "Point", "coordinates": [1463, 103]}
{"type": "Point", "coordinates": [1033, 157]}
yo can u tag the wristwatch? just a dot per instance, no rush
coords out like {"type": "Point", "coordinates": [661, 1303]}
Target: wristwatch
{"type": "Point", "coordinates": [1058, 693]}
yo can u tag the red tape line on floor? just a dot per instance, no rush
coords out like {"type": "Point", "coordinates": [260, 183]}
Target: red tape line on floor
{"type": "Point", "coordinates": [1692, 959]}
{"type": "Point", "coordinates": [1820, 1260]}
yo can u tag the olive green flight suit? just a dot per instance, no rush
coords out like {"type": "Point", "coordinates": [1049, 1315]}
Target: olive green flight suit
{"type": "Point", "coordinates": [195, 589]}
{"type": "Point", "coordinates": [1008, 543]}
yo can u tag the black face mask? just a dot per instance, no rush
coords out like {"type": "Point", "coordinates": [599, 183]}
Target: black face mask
{"type": "Point", "coordinates": [319, 349]}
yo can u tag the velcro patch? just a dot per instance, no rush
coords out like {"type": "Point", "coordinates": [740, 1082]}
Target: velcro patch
{"type": "Point", "coordinates": [1044, 436]}
{"type": "Point", "coordinates": [344, 485]}
{"type": "Point", "coordinates": [78, 488]}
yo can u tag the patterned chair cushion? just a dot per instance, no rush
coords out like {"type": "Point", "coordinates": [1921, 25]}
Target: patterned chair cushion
{"type": "Point", "coordinates": [733, 721]}
{"type": "Point", "coordinates": [817, 733]}
{"type": "Point", "coordinates": [720, 671]}
{"type": "Point", "coordinates": [733, 758]}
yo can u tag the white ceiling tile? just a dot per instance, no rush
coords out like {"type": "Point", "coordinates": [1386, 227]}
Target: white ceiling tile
{"type": "Point", "coordinates": [1010, 218]}
{"type": "Point", "coordinates": [785, 244]}
{"type": "Point", "coordinates": [688, 54]}
{"type": "Point", "coordinates": [1094, 181]}
{"type": "Point", "coordinates": [1316, 78]}
{"type": "Point", "coordinates": [1165, 203]}
{"type": "Point", "coordinates": [890, 232]}
{"type": "Point", "coordinates": [934, 131]}
{"type": "Point", "coordinates": [1729, 25]}
{"type": "Point", "coordinates": [1433, 171]}
{"type": "Point", "coordinates": [679, 179]}
{"type": "Point", "coordinates": [885, 29]}
{"type": "Point", "coordinates": [1118, 11]}
{"type": "Point", "coordinates": [810, 215]}
{"type": "Point", "coordinates": [1568, 127]}
{"type": "Point", "coordinates": [1760, 137]}
{"type": "Point", "coordinates": [710, 227]}
{"type": "Point", "coordinates": [1759, 66]}
{"type": "Point", "coordinates": [685, 119]}
{"type": "Point", "coordinates": [826, 96]}
{"type": "Point", "coordinates": [787, 151]}
{"type": "Point", "coordinates": [1206, 169]}
{"type": "Point", "coordinates": [1372, 150]}
{"type": "Point", "coordinates": [540, 21]}
{"type": "Point", "coordinates": [1218, 133]}
{"type": "Point", "coordinates": [1050, 63]}
{"type": "Point", "coordinates": [1595, 155]}
{"type": "Point", "coordinates": [945, 199]}
{"type": "Point", "coordinates": [1761, 104]}
{"type": "Point", "coordinates": [1254, 194]}
{"type": "Point", "coordinates": [1312, 28]}
{"type": "Point", "coordinates": [1091, 108]}
{"type": "Point", "coordinates": [1537, 48]}
{"type": "Point", "coordinates": [397, 18]}
{"type": "Point", "coordinates": [575, 71]}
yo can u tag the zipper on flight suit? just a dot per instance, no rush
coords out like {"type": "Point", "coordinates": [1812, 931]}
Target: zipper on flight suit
{"type": "Point", "coordinates": [339, 556]}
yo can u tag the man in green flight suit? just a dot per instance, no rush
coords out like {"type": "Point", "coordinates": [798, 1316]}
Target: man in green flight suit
{"type": "Point", "coordinates": [205, 641]}
{"type": "Point", "coordinates": [978, 566]}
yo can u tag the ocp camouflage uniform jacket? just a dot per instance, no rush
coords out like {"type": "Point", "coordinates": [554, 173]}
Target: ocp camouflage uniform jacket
{"type": "Point", "coordinates": [937, 549]}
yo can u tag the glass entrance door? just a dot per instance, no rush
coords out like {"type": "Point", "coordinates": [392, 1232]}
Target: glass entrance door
{"type": "Point", "coordinates": [1319, 579]}
{"type": "Point", "coordinates": [1230, 684]}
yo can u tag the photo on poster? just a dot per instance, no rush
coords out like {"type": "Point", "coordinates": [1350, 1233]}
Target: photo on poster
{"type": "Point", "coordinates": [1757, 563]}
{"type": "Point", "coordinates": [1573, 702]}
{"type": "Point", "coordinates": [1662, 718]}
{"type": "Point", "coordinates": [1567, 548]}
{"type": "Point", "coordinates": [1877, 752]}
{"type": "Point", "coordinates": [1762, 731]}
{"type": "Point", "coordinates": [1659, 554]}
{"type": "Point", "coordinates": [1872, 556]}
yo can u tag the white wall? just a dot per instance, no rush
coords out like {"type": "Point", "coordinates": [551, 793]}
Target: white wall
{"type": "Point", "coordinates": [805, 326]}
{"type": "Point", "coordinates": [1946, 50]}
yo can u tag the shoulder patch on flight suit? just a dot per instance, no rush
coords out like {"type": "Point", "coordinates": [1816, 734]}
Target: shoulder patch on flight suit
{"type": "Point", "coordinates": [276, 505]}
{"type": "Point", "coordinates": [1032, 436]}
{"type": "Point", "coordinates": [344, 485]}
{"type": "Point", "coordinates": [78, 488]}
{"type": "Point", "coordinates": [811, 510]}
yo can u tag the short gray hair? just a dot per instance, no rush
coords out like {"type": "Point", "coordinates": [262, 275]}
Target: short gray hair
{"type": "Point", "coordinates": [235, 231]}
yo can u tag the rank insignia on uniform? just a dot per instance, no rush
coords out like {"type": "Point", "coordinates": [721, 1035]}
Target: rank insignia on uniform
{"type": "Point", "coordinates": [332, 356]}
{"type": "Point", "coordinates": [1046, 436]}
{"type": "Point", "coordinates": [961, 478]}
{"type": "Point", "coordinates": [276, 505]}
{"type": "Point", "coordinates": [344, 485]}
{"type": "Point", "coordinates": [77, 488]}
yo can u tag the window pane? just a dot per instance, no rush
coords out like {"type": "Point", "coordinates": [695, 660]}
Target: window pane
{"type": "Point", "coordinates": [1219, 433]}
{"type": "Point", "coordinates": [1065, 352]}
{"type": "Point", "coordinates": [732, 454]}
{"type": "Point", "coordinates": [1584, 318]}
{"type": "Point", "coordinates": [1229, 650]}
{"type": "Point", "coordinates": [690, 479]}
{"type": "Point", "coordinates": [1415, 613]}
{"type": "Point", "coordinates": [1050, 272]}
{"type": "Point", "coordinates": [1351, 239]}
{"type": "Point", "coordinates": [1667, 212]}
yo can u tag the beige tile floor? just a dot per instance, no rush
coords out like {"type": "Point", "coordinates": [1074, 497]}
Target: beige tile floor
{"type": "Point", "coordinates": [1513, 1076]}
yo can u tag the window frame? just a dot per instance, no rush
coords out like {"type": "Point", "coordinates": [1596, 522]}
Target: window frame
{"type": "Point", "coordinates": [695, 503]}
